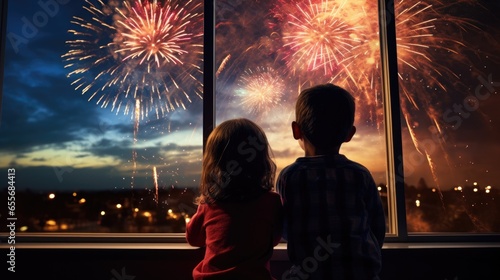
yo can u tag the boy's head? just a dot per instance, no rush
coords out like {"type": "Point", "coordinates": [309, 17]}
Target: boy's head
{"type": "Point", "coordinates": [324, 114]}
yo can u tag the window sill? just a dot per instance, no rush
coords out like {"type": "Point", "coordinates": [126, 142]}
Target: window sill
{"type": "Point", "coordinates": [177, 241]}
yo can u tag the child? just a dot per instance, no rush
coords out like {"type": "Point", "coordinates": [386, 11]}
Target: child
{"type": "Point", "coordinates": [334, 220]}
{"type": "Point", "coordinates": [239, 217]}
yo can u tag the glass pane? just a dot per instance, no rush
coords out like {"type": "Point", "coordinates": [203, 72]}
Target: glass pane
{"type": "Point", "coordinates": [101, 120]}
{"type": "Point", "coordinates": [449, 72]}
{"type": "Point", "coordinates": [268, 51]}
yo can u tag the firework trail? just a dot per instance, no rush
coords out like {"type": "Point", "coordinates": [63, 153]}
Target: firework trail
{"type": "Point", "coordinates": [222, 65]}
{"type": "Point", "coordinates": [137, 112]}
{"type": "Point", "coordinates": [260, 89]}
{"type": "Point", "coordinates": [138, 50]}
{"type": "Point", "coordinates": [155, 180]}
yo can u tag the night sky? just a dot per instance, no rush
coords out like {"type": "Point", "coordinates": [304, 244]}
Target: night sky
{"type": "Point", "coordinates": [58, 140]}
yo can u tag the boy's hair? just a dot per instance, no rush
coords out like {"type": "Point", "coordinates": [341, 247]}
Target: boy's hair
{"type": "Point", "coordinates": [325, 115]}
{"type": "Point", "coordinates": [237, 164]}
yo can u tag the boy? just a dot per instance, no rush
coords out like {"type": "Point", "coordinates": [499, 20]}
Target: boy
{"type": "Point", "coordinates": [334, 219]}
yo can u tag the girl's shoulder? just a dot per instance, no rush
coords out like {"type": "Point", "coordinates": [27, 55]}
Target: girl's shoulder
{"type": "Point", "coordinates": [271, 196]}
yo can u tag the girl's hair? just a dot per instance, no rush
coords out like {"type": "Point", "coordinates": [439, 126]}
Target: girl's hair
{"type": "Point", "coordinates": [237, 164]}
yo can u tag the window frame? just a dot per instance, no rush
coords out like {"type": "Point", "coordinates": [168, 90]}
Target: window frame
{"type": "Point", "coordinates": [392, 109]}
{"type": "Point", "coordinates": [392, 120]}
{"type": "Point", "coordinates": [392, 116]}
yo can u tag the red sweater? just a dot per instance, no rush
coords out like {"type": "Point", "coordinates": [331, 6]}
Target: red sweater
{"type": "Point", "coordinates": [239, 238]}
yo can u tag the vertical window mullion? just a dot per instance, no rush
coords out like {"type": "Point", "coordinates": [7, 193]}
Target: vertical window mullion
{"type": "Point", "coordinates": [208, 69]}
{"type": "Point", "coordinates": [392, 114]}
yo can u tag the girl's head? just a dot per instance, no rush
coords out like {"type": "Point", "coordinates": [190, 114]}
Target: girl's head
{"type": "Point", "coordinates": [237, 163]}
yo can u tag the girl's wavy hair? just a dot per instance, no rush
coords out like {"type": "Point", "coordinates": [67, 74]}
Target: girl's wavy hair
{"type": "Point", "coordinates": [237, 163]}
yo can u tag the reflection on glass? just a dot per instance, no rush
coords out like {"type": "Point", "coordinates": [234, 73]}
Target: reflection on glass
{"type": "Point", "coordinates": [448, 65]}
{"type": "Point", "coordinates": [268, 51]}
{"type": "Point", "coordinates": [102, 114]}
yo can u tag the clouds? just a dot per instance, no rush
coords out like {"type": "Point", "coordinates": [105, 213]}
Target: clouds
{"type": "Point", "coordinates": [41, 115]}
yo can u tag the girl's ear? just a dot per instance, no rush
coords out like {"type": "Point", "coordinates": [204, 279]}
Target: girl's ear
{"type": "Point", "coordinates": [351, 134]}
{"type": "Point", "coordinates": [297, 134]}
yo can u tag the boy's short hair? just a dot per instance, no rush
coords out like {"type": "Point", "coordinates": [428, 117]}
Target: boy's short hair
{"type": "Point", "coordinates": [325, 115]}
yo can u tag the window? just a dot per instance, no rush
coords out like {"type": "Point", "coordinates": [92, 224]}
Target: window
{"type": "Point", "coordinates": [448, 71]}
{"type": "Point", "coordinates": [104, 127]}
{"type": "Point", "coordinates": [285, 46]}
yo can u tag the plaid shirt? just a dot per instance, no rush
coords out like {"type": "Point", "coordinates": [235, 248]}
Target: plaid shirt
{"type": "Point", "coordinates": [334, 219]}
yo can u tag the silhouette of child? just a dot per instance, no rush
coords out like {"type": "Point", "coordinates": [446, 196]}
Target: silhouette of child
{"type": "Point", "coordinates": [334, 220]}
{"type": "Point", "coordinates": [239, 217]}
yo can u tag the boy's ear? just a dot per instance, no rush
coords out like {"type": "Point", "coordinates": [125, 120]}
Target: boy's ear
{"type": "Point", "coordinates": [350, 134]}
{"type": "Point", "coordinates": [297, 134]}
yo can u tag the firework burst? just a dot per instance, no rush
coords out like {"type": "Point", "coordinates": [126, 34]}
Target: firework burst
{"type": "Point", "coordinates": [138, 50]}
{"type": "Point", "coordinates": [260, 89]}
{"type": "Point", "coordinates": [316, 37]}
{"type": "Point", "coordinates": [332, 41]}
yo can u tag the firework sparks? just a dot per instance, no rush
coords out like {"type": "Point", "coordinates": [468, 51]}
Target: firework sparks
{"type": "Point", "coordinates": [138, 50]}
{"type": "Point", "coordinates": [260, 89]}
{"type": "Point", "coordinates": [316, 37]}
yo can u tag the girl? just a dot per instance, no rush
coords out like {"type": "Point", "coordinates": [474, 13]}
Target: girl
{"type": "Point", "coordinates": [239, 217]}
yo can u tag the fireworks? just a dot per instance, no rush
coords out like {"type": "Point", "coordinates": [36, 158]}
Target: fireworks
{"type": "Point", "coordinates": [333, 41]}
{"type": "Point", "coordinates": [424, 34]}
{"type": "Point", "coordinates": [341, 37]}
{"type": "Point", "coordinates": [138, 50]}
{"type": "Point", "coordinates": [316, 37]}
{"type": "Point", "coordinates": [260, 89]}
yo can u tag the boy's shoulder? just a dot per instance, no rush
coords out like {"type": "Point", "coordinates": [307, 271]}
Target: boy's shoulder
{"type": "Point", "coordinates": [329, 164]}
{"type": "Point", "coordinates": [318, 162]}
